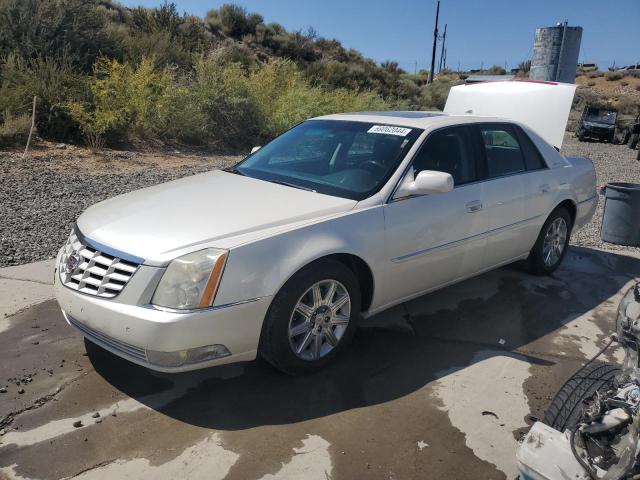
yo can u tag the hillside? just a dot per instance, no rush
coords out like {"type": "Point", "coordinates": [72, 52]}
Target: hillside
{"type": "Point", "coordinates": [107, 74]}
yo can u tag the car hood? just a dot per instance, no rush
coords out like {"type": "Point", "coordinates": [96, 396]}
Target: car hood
{"type": "Point", "coordinates": [218, 209]}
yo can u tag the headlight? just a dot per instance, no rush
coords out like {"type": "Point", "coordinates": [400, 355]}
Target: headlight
{"type": "Point", "coordinates": [191, 281]}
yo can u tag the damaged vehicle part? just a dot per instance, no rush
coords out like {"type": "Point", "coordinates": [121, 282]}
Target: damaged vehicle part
{"type": "Point", "coordinates": [592, 428]}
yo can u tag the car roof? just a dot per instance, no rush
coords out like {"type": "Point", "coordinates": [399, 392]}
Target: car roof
{"type": "Point", "coordinates": [415, 119]}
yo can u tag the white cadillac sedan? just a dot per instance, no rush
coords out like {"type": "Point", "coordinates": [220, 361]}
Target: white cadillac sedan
{"type": "Point", "coordinates": [335, 220]}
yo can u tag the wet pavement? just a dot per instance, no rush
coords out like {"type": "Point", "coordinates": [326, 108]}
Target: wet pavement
{"type": "Point", "coordinates": [439, 387]}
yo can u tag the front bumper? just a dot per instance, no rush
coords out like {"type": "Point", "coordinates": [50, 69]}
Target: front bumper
{"type": "Point", "coordinates": [132, 330]}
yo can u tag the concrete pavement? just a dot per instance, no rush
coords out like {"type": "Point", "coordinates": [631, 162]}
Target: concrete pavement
{"type": "Point", "coordinates": [439, 387]}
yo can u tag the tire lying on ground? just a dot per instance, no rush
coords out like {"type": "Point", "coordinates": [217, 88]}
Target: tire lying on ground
{"type": "Point", "coordinates": [566, 407]}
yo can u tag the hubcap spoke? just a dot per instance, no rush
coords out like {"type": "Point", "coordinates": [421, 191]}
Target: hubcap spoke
{"type": "Point", "coordinates": [341, 302]}
{"type": "Point", "coordinates": [339, 320]}
{"type": "Point", "coordinates": [317, 296]}
{"type": "Point", "coordinates": [305, 310]}
{"type": "Point", "coordinates": [330, 336]}
{"type": "Point", "coordinates": [305, 342]}
{"type": "Point", "coordinates": [330, 293]}
{"type": "Point", "coordinates": [304, 327]}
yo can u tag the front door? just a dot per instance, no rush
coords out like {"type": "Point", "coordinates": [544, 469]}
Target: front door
{"type": "Point", "coordinates": [432, 240]}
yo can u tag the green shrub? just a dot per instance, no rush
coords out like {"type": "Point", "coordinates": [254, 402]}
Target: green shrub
{"type": "Point", "coordinates": [126, 102]}
{"type": "Point", "coordinates": [434, 96]}
{"type": "Point", "coordinates": [233, 20]}
{"type": "Point", "coordinates": [51, 28]}
{"type": "Point", "coordinates": [14, 128]}
{"type": "Point", "coordinates": [53, 80]}
{"type": "Point", "coordinates": [595, 74]}
{"type": "Point", "coordinates": [612, 76]}
{"type": "Point", "coordinates": [284, 97]}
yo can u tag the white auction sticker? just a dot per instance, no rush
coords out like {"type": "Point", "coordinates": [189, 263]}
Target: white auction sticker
{"type": "Point", "coordinates": [387, 130]}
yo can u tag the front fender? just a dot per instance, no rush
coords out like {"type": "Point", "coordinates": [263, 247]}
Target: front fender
{"type": "Point", "coordinates": [262, 267]}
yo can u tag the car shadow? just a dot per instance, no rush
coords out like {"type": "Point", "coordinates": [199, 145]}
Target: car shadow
{"type": "Point", "coordinates": [393, 354]}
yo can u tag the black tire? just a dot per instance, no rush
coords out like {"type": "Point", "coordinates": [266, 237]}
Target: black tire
{"type": "Point", "coordinates": [566, 407]}
{"type": "Point", "coordinates": [633, 140]}
{"type": "Point", "coordinates": [274, 339]}
{"type": "Point", "coordinates": [625, 137]}
{"type": "Point", "coordinates": [535, 262]}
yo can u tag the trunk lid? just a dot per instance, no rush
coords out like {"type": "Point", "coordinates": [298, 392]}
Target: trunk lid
{"type": "Point", "coordinates": [542, 106]}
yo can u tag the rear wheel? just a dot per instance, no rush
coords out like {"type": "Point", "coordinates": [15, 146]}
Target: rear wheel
{"type": "Point", "coordinates": [551, 246]}
{"type": "Point", "coordinates": [566, 407]}
{"type": "Point", "coordinates": [312, 318]}
{"type": "Point", "coordinates": [625, 136]}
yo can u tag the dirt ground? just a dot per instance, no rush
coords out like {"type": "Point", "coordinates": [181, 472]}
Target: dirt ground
{"type": "Point", "coordinates": [440, 387]}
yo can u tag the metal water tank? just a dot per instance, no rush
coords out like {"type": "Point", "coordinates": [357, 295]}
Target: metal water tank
{"type": "Point", "coordinates": [555, 53]}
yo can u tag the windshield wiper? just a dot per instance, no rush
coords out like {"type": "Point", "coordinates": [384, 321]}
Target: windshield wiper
{"type": "Point", "coordinates": [287, 184]}
{"type": "Point", "coordinates": [234, 170]}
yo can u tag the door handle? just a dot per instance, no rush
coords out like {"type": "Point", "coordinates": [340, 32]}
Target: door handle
{"type": "Point", "coordinates": [474, 206]}
{"type": "Point", "coordinates": [545, 188]}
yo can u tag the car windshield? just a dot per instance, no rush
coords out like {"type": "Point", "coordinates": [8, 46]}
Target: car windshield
{"type": "Point", "coordinates": [335, 157]}
{"type": "Point", "coordinates": [601, 116]}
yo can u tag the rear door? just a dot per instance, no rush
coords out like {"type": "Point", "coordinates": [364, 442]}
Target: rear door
{"type": "Point", "coordinates": [506, 195]}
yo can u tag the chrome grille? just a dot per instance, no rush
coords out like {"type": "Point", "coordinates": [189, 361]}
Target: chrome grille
{"type": "Point", "coordinates": [87, 270]}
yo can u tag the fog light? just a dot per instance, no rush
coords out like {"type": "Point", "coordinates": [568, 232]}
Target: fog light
{"type": "Point", "coordinates": [186, 357]}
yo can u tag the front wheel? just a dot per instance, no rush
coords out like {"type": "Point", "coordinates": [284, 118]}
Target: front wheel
{"type": "Point", "coordinates": [312, 318]}
{"type": "Point", "coordinates": [551, 245]}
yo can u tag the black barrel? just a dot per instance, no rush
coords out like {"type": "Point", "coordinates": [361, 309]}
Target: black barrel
{"type": "Point", "coordinates": [621, 218]}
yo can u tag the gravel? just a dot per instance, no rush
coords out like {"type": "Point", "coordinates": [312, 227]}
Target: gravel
{"type": "Point", "coordinates": [41, 196]}
{"type": "Point", "coordinates": [613, 163]}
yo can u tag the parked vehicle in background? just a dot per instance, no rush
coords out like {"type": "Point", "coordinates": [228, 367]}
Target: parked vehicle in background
{"type": "Point", "coordinates": [631, 133]}
{"type": "Point", "coordinates": [597, 123]}
{"type": "Point", "coordinates": [337, 219]}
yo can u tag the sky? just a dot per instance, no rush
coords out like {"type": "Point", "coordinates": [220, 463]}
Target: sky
{"type": "Point", "coordinates": [479, 32]}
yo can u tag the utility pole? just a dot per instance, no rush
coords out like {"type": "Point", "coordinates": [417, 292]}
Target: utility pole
{"type": "Point", "coordinates": [435, 44]}
{"type": "Point", "coordinates": [444, 39]}
{"type": "Point", "coordinates": [415, 68]}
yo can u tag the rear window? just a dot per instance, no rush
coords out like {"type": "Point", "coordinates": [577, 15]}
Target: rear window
{"type": "Point", "coordinates": [532, 156]}
{"type": "Point", "coordinates": [502, 150]}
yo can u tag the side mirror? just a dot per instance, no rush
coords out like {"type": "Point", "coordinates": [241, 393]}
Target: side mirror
{"type": "Point", "coordinates": [254, 150]}
{"type": "Point", "coordinates": [427, 182]}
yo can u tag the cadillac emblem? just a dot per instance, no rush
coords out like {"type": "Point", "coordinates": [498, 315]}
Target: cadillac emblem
{"type": "Point", "coordinates": [72, 262]}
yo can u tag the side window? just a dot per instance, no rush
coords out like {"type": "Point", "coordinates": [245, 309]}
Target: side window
{"type": "Point", "coordinates": [502, 150]}
{"type": "Point", "coordinates": [449, 150]}
{"type": "Point", "coordinates": [532, 157]}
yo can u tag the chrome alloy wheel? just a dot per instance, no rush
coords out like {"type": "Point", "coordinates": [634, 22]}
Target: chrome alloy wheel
{"type": "Point", "coordinates": [554, 241]}
{"type": "Point", "coordinates": [319, 319]}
